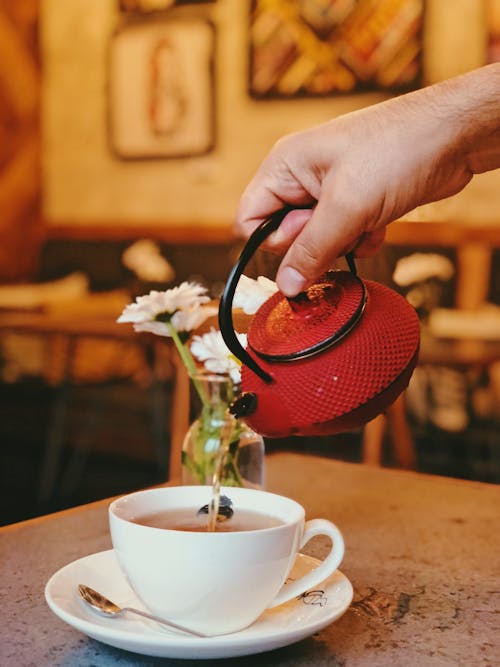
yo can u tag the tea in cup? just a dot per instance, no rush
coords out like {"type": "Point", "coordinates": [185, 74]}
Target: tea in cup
{"type": "Point", "coordinates": [215, 582]}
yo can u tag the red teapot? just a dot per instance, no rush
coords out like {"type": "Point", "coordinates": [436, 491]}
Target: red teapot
{"type": "Point", "coordinates": [326, 361]}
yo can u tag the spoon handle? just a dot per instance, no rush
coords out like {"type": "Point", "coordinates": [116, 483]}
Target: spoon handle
{"type": "Point", "coordinates": [169, 624]}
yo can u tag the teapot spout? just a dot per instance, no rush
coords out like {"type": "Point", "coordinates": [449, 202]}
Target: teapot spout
{"type": "Point", "coordinates": [244, 405]}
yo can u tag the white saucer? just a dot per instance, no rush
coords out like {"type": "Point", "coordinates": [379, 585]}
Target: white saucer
{"type": "Point", "coordinates": [278, 627]}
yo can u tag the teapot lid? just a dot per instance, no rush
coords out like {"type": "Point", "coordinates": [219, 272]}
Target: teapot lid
{"type": "Point", "coordinates": [286, 329]}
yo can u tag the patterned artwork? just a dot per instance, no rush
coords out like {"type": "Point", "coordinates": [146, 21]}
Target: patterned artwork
{"type": "Point", "coordinates": [320, 47]}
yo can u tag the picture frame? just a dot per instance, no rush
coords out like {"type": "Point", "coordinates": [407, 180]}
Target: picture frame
{"type": "Point", "coordinates": [161, 89]}
{"type": "Point", "coordinates": [300, 48]}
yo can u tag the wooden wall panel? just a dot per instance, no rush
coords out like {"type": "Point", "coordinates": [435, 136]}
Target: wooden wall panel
{"type": "Point", "coordinates": [20, 224]}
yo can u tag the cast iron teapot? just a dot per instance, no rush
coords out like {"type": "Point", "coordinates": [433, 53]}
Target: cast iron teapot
{"type": "Point", "coordinates": [325, 361]}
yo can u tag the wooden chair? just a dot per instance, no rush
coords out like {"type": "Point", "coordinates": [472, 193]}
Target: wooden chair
{"type": "Point", "coordinates": [473, 249]}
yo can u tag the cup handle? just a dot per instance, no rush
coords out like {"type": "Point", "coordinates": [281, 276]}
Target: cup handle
{"type": "Point", "coordinates": [325, 569]}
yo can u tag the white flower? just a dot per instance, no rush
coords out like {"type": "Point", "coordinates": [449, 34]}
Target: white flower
{"type": "Point", "coordinates": [418, 267]}
{"type": "Point", "coordinates": [187, 297]}
{"type": "Point", "coordinates": [145, 260]}
{"type": "Point", "coordinates": [181, 321]}
{"type": "Point", "coordinates": [251, 294]}
{"type": "Point", "coordinates": [187, 320]}
{"type": "Point", "coordinates": [211, 349]}
{"type": "Point", "coordinates": [158, 328]}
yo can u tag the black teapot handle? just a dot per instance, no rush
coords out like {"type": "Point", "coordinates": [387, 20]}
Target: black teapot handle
{"type": "Point", "coordinates": [226, 325]}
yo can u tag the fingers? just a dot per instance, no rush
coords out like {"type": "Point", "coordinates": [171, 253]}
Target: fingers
{"type": "Point", "coordinates": [290, 227]}
{"type": "Point", "coordinates": [370, 243]}
{"type": "Point", "coordinates": [313, 238]}
{"type": "Point", "coordinates": [325, 236]}
{"type": "Point", "coordinates": [274, 185]}
{"type": "Point", "coordinates": [346, 209]}
{"type": "Point", "coordinates": [262, 207]}
{"type": "Point", "coordinates": [310, 255]}
{"type": "Point", "coordinates": [255, 205]}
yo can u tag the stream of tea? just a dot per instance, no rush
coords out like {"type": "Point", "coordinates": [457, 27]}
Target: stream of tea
{"type": "Point", "coordinates": [225, 439]}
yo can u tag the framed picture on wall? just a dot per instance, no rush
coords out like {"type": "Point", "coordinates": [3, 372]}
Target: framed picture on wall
{"type": "Point", "coordinates": [321, 47]}
{"type": "Point", "coordinates": [161, 89]}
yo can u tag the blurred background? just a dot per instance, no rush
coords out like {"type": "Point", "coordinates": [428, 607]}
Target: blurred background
{"type": "Point", "coordinates": [128, 130]}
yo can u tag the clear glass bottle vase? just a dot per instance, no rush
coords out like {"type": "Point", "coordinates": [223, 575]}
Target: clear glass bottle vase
{"type": "Point", "coordinates": [243, 463]}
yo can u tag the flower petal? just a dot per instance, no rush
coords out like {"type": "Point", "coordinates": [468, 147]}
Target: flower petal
{"type": "Point", "coordinates": [188, 320]}
{"type": "Point", "coordinates": [158, 328]}
{"type": "Point", "coordinates": [211, 349]}
{"type": "Point", "coordinates": [251, 294]}
{"type": "Point", "coordinates": [185, 297]}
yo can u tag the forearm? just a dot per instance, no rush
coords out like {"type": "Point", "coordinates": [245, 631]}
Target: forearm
{"type": "Point", "coordinates": [438, 136]}
{"type": "Point", "coordinates": [470, 107]}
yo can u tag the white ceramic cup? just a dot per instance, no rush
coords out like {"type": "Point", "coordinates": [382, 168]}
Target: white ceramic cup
{"type": "Point", "coordinates": [216, 582]}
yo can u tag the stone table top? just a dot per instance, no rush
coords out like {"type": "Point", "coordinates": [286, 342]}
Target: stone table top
{"type": "Point", "coordinates": [421, 553]}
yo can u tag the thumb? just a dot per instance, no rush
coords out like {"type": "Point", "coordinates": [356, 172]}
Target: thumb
{"type": "Point", "coordinates": [313, 251]}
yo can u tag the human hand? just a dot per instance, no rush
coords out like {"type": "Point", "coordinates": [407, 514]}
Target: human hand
{"type": "Point", "coordinates": [361, 171]}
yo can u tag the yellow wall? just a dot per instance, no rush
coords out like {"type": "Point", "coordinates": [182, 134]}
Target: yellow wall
{"type": "Point", "coordinates": [85, 184]}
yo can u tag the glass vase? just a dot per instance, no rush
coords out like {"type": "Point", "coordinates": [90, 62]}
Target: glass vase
{"type": "Point", "coordinates": [213, 427]}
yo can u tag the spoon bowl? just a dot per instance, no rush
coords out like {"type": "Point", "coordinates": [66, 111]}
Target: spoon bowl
{"type": "Point", "coordinates": [105, 607]}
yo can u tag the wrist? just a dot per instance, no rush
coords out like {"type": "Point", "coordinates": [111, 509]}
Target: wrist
{"type": "Point", "coordinates": [470, 107]}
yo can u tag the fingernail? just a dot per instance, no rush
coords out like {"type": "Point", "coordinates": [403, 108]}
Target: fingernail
{"type": "Point", "coordinates": [291, 282]}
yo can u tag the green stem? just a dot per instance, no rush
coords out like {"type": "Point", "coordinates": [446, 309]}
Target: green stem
{"type": "Point", "coordinates": [234, 467]}
{"type": "Point", "coordinates": [232, 454]}
{"type": "Point", "coordinates": [189, 363]}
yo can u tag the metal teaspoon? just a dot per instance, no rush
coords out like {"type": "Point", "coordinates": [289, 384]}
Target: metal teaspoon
{"type": "Point", "coordinates": [105, 607]}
